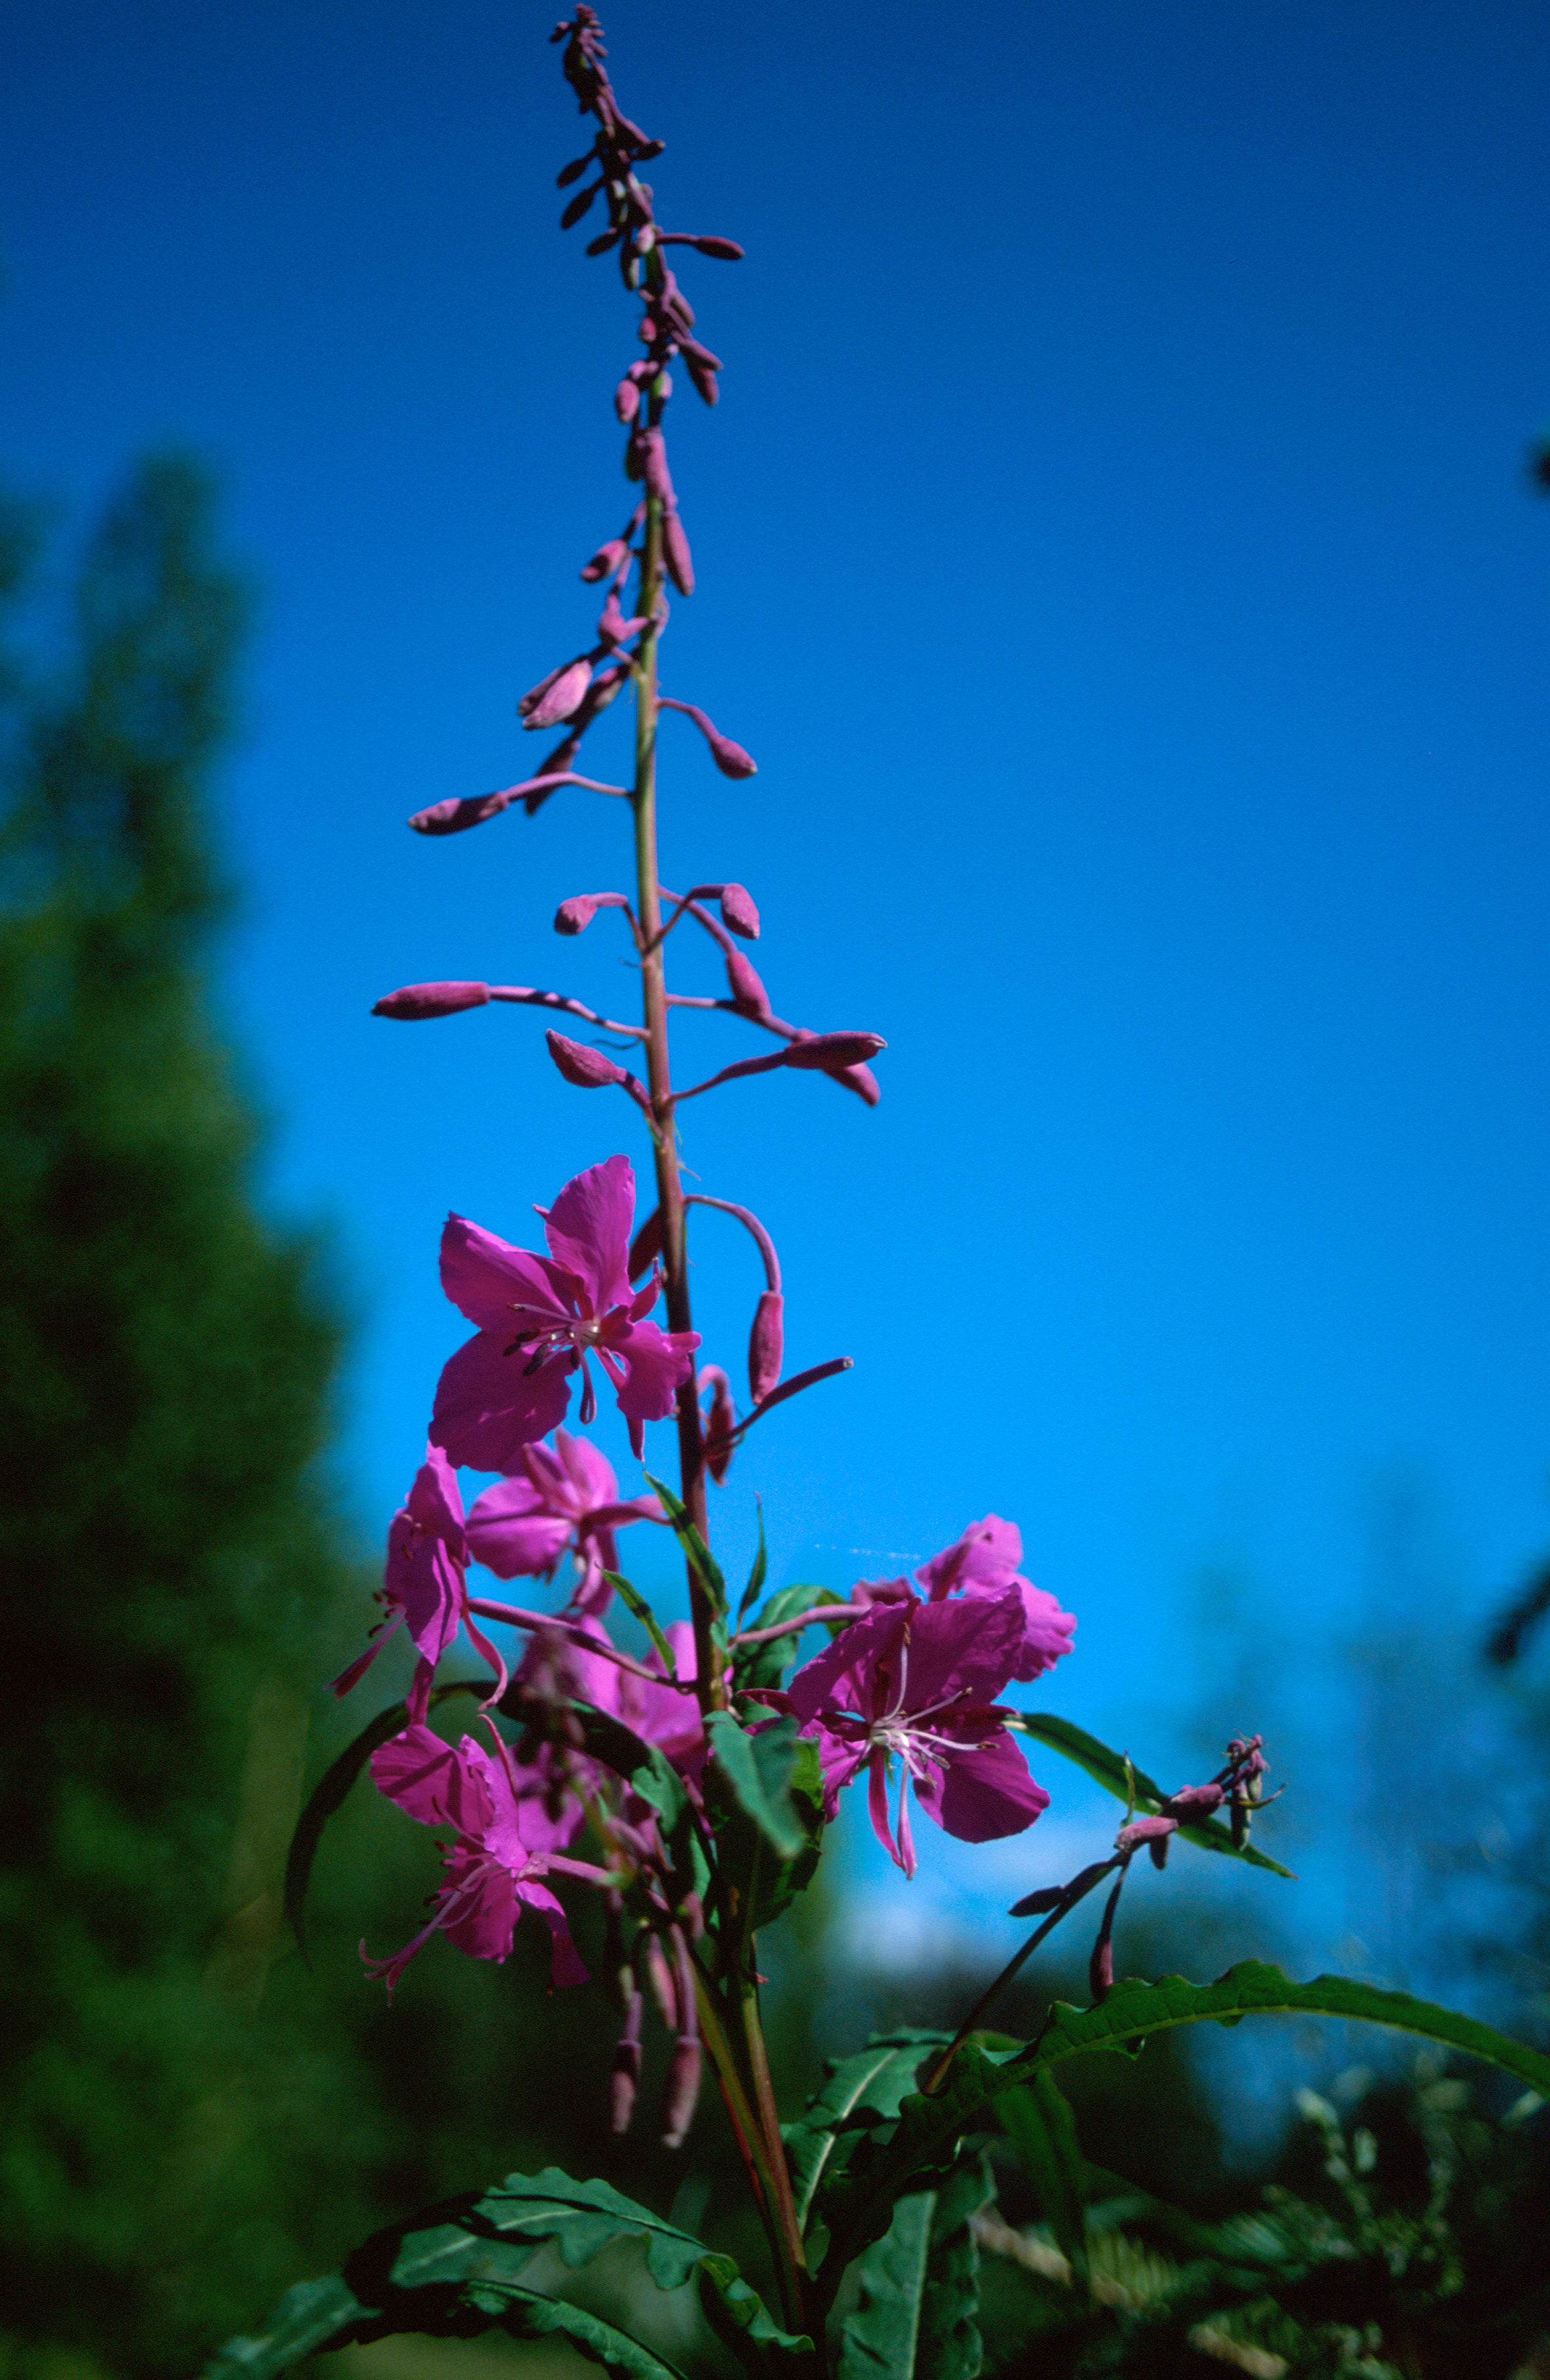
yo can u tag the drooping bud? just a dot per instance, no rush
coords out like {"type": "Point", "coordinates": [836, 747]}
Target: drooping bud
{"type": "Point", "coordinates": [573, 917]}
{"type": "Point", "coordinates": [1040, 1903]}
{"type": "Point", "coordinates": [579, 204]}
{"type": "Point", "coordinates": [1152, 1832]}
{"type": "Point", "coordinates": [646, 1246]}
{"type": "Point", "coordinates": [605, 561]}
{"type": "Point", "coordinates": [824, 1053]}
{"type": "Point", "coordinates": [738, 912]}
{"type": "Point", "coordinates": [627, 405]}
{"type": "Point", "coordinates": [859, 1079]}
{"type": "Point", "coordinates": [624, 2081]}
{"type": "Point", "coordinates": [708, 243]}
{"type": "Point", "coordinates": [613, 629]}
{"type": "Point", "coordinates": [1100, 1968]}
{"type": "Point", "coordinates": [767, 1344]}
{"type": "Point", "coordinates": [682, 2094]}
{"type": "Point", "coordinates": [679, 559]}
{"type": "Point", "coordinates": [653, 467]}
{"type": "Point", "coordinates": [748, 992]}
{"type": "Point", "coordinates": [574, 171]}
{"type": "Point", "coordinates": [720, 1421]}
{"type": "Point", "coordinates": [557, 696]}
{"type": "Point", "coordinates": [418, 1000]}
{"type": "Point", "coordinates": [588, 1069]}
{"type": "Point", "coordinates": [1195, 1801]}
{"type": "Point", "coordinates": [605, 241]}
{"type": "Point", "coordinates": [729, 758]}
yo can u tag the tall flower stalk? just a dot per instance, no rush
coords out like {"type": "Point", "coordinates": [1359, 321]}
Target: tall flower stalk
{"type": "Point", "coordinates": [686, 1783]}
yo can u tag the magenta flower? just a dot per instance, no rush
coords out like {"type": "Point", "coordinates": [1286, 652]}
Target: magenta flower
{"type": "Point", "coordinates": [540, 1318]}
{"type": "Point", "coordinates": [424, 1587]}
{"type": "Point", "coordinates": [492, 1874]}
{"type": "Point", "coordinates": [562, 1499]}
{"type": "Point", "coordinates": [985, 1560]}
{"type": "Point", "coordinates": [917, 1679]}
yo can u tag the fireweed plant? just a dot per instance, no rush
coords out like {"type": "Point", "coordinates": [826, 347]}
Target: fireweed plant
{"type": "Point", "coordinates": [688, 1788]}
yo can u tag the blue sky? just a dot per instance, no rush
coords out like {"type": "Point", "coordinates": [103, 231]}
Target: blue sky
{"type": "Point", "coordinates": [1113, 545]}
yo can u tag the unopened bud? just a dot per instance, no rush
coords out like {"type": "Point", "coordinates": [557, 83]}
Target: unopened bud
{"type": "Point", "coordinates": [653, 467]}
{"type": "Point", "coordinates": [859, 1079]}
{"type": "Point", "coordinates": [1152, 1832]}
{"type": "Point", "coordinates": [557, 696]}
{"type": "Point", "coordinates": [1040, 1903]}
{"type": "Point", "coordinates": [1196, 1801]}
{"type": "Point", "coordinates": [749, 993]}
{"type": "Point", "coordinates": [729, 758]}
{"type": "Point", "coordinates": [418, 1000]}
{"type": "Point", "coordinates": [738, 912]}
{"type": "Point", "coordinates": [682, 2092]}
{"type": "Point", "coordinates": [825, 1053]}
{"type": "Point", "coordinates": [720, 1421]}
{"type": "Point", "coordinates": [605, 561]}
{"type": "Point", "coordinates": [588, 1069]}
{"type": "Point", "coordinates": [574, 171]}
{"type": "Point", "coordinates": [646, 1246]}
{"type": "Point", "coordinates": [1100, 1968]}
{"type": "Point", "coordinates": [579, 205]}
{"type": "Point", "coordinates": [660, 1977]}
{"type": "Point", "coordinates": [711, 244]}
{"type": "Point", "coordinates": [677, 555]}
{"type": "Point", "coordinates": [627, 405]}
{"type": "Point", "coordinates": [624, 2081]}
{"type": "Point", "coordinates": [767, 1344]}
{"type": "Point", "coordinates": [605, 241]}
{"type": "Point", "coordinates": [573, 917]}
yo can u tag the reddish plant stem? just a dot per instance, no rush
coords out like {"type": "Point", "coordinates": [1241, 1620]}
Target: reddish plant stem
{"type": "Point", "coordinates": [669, 1189]}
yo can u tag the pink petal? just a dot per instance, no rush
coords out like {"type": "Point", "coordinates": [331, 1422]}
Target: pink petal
{"type": "Point", "coordinates": [840, 1677]}
{"type": "Point", "coordinates": [588, 1230]}
{"type": "Point", "coordinates": [511, 1534]}
{"type": "Point", "coordinates": [657, 1361]}
{"type": "Point", "coordinates": [1047, 1632]}
{"type": "Point", "coordinates": [565, 1967]}
{"type": "Point", "coordinates": [488, 1407]}
{"type": "Point", "coordinates": [968, 1646]}
{"type": "Point", "coordinates": [485, 1929]}
{"type": "Point", "coordinates": [988, 1554]}
{"type": "Point", "coordinates": [877, 1806]}
{"type": "Point", "coordinates": [435, 1501]}
{"type": "Point", "coordinates": [432, 1781]}
{"type": "Point", "coordinates": [983, 1794]}
{"type": "Point", "coordinates": [484, 1277]}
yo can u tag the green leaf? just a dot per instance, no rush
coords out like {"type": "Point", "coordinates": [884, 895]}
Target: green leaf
{"type": "Point", "coordinates": [1037, 2115]}
{"type": "Point", "coordinates": [333, 1788]}
{"type": "Point", "coordinates": [455, 2269]}
{"type": "Point", "coordinates": [758, 1768]}
{"type": "Point", "coordinates": [757, 1575]}
{"type": "Point", "coordinates": [1117, 1775]}
{"type": "Point", "coordinates": [861, 2093]}
{"type": "Point", "coordinates": [634, 1601]}
{"type": "Point", "coordinates": [920, 2288]}
{"type": "Point", "coordinates": [526, 2313]}
{"type": "Point", "coordinates": [742, 1849]}
{"type": "Point", "coordinates": [855, 2200]}
{"type": "Point", "coordinates": [762, 1664]}
{"type": "Point", "coordinates": [698, 1555]}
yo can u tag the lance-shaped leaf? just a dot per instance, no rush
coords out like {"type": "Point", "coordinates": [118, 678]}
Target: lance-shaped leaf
{"type": "Point", "coordinates": [1118, 1775]}
{"type": "Point", "coordinates": [918, 2318]}
{"type": "Point", "coordinates": [697, 1553]}
{"type": "Point", "coordinates": [863, 2093]}
{"type": "Point", "coordinates": [854, 2204]}
{"type": "Point", "coordinates": [1037, 2115]}
{"type": "Point", "coordinates": [757, 1771]}
{"type": "Point", "coordinates": [768, 1880]}
{"type": "Point", "coordinates": [635, 1603]}
{"type": "Point", "coordinates": [761, 1665]}
{"type": "Point", "coordinates": [456, 2269]}
{"type": "Point", "coordinates": [332, 1791]}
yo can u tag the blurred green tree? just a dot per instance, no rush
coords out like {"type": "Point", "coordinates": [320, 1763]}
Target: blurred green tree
{"type": "Point", "coordinates": [167, 1356]}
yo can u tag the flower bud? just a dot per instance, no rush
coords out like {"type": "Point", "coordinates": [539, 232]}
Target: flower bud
{"type": "Point", "coordinates": [579, 204]}
{"type": "Point", "coordinates": [418, 1000]}
{"type": "Point", "coordinates": [1100, 1968]}
{"type": "Point", "coordinates": [1040, 1903]}
{"type": "Point", "coordinates": [573, 917]}
{"type": "Point", "coordinates": [625, 2079]}
{"type": "Point", "coordinates": [653, 467]}
{"type": "Point", "coordinates": [605, 241]}
{"type": "Point", "coordinates": [680, 570]}
{"type": "Point", "coordinates": [825, 1053]}
{"type": "Point", "coordinates": [748, 992]}
{"type": "Point", "coordinates": [729, 758]}
{"type": "Point", "coordinates": [660, 1975]}
{"type": "Point", "coordinates": [682, 2092]}
{"type": "Point", "coordinates": [767, 1344]}
{"type": "Point", "coordinates": [627, 405]}
{"type": "Point", "coordinates": [557, 696]}
{"type": "Point", "coordinates": [720, 1421]}
{"type": "Point", "coordinates": [1196, 1801]}
{"type": "Point", "coordinates": [574, 171]}
{"type": "Point", "coordinates": [738, 912]}
{"type": "Point", "coordinates": [859, 1079]}
{"type": "Point", "coordinates": [1152, 1832]}
{"type": "Point", "coordinates": [588, 1069]}
{"type": "Point", "coordinates": [605, 561]}
{"type": "Point", "coordinates": [646, 1246]}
